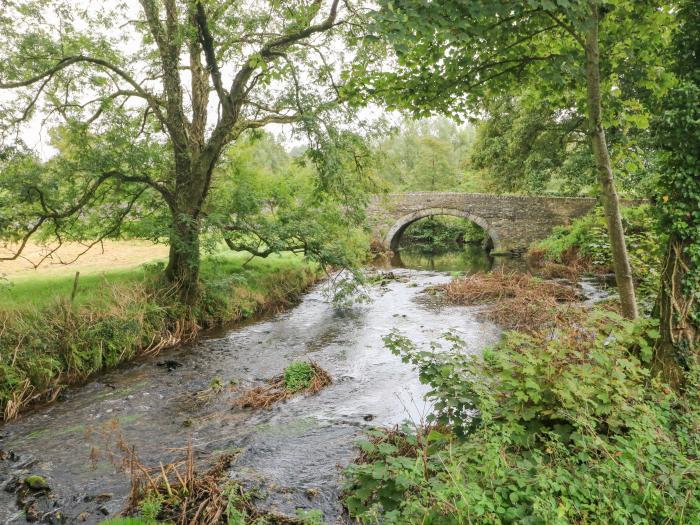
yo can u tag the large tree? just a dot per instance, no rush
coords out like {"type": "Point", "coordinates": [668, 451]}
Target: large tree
{"type": "Point", "coordinates": [452, 56]}
{"type": "Point", "coordinates": [145, 99]}
{"type": "Point", "coordinates": [524, 146]}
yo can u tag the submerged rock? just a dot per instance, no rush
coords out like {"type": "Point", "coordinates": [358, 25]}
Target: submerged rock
{"type": "Point", "coordinates": [169, 365]}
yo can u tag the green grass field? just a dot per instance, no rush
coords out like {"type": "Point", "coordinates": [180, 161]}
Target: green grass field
{"type": "Point", "coordinates": [42, 289]}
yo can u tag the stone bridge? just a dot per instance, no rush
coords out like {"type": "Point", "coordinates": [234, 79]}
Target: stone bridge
{"type": "Point", "coordinates": [511, 221]}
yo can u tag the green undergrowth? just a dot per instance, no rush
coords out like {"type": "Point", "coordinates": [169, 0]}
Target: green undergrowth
{"type": "Point", "coordinates": [127, 521]}
{"type": "Point", "coordinates": [556, 428]}
{"type": "Point", "coordinates": [298, 376]}
{"type": "Point", "coordinates": [584, 245]}
{"type": "Point", "coordinates": [47, 341]}
{"type": "Point", "coordinates": [441, 233]}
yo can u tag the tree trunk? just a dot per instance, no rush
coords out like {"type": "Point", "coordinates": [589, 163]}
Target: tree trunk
{"type": "Point", "coordinates": [184, 258]}
{"type": "Point", "coordinates": [677, 346]}
{"type": "Point", "coordinates": [611, 204]}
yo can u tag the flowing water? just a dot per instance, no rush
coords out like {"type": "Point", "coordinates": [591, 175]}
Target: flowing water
{"type": "Point", "coordinates": [294, 452]}
{"type": "Point", "coordinates": [470, 259]}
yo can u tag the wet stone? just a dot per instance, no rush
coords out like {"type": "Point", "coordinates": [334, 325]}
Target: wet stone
{"type": "Point", "coordinates": [169, 365]}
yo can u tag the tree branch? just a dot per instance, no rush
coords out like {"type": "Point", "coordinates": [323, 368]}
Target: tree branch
{"type": "Point", "coordinates": [569, 29]}
{"type": "Point", "coordinates": [62, 64]}
{"type": "Point", "coordinates": [207, 41]}
{"type": "Point", "coordinates": [50, 214]}
{"type": "Point", "coordinates": [277, 45]}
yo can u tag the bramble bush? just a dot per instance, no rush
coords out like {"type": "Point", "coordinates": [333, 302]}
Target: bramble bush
{"type": "Point", "coordinates": [556, 428]}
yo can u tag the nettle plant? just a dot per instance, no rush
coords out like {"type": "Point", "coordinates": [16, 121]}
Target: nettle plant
{"type": "Point", "coordinates": [528, 431]}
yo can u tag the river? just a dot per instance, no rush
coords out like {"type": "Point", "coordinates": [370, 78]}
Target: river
{"type": "Point", "coordinates": [294, 452]}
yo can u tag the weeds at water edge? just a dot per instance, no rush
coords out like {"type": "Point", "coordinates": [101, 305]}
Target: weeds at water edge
{"type": "Point", "coordinates": [177, 493]}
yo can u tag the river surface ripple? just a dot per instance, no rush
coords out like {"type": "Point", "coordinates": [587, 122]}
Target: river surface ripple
{"type": "Point", "coordinates": [294, 452]}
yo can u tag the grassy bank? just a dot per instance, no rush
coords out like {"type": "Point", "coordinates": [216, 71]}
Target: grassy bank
{"type": "Point", "coordinates": [584, 247]}
{"type": "Point", "coordinates": [48, 341]}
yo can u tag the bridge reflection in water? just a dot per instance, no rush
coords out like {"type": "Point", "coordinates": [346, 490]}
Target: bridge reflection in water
{"type": "Point", "coordinates": [467, 259]}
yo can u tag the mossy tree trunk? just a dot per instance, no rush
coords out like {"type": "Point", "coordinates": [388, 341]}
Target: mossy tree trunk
{"type": "Point", "coordinates": [679, 339]}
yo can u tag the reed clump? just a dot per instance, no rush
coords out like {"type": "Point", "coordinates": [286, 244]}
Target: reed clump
{"type": "Point", "coordinates": [298, 378]}
{"type": "Point", "coordinates": [177, 492]}
{"type": "Point", "coordinates": [517, 301]}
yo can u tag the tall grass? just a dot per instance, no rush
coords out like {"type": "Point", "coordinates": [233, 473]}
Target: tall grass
{"type": "Point", "coordinates": [48, 341]}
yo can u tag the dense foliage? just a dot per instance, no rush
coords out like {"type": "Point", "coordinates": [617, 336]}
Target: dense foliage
{"type": "Point", "coordinates": [678, 194]}
{"type": "Point", "coordinates": [441, 233]}
{"type": "Point", "coordinates": [427, 155]}
{"type": "Point", "coordinates": [265, 202]}
{"type": "Point", "coordinates": [526, 147]}
{"type": "Point", "coordinates": [584, 244]}
{"type": "Point", "coordinates": [555, 428]}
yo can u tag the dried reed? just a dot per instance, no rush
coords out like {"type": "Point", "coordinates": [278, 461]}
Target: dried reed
{"type": "Point", "coordinates": [275, 390]}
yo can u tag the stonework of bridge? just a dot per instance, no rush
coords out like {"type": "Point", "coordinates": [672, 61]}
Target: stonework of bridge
{"type": "Point", "coordinates": [512, 222]}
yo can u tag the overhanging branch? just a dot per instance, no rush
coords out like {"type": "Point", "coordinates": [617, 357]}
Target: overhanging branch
{"type": "Point", "coordinates": [64, 63]}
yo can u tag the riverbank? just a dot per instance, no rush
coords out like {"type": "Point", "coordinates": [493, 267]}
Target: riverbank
{"type": "Point", "coordinates": [52, 336]}
{"type": "Point", "coordinates": [526, 431]}
{"type": "Point", "coordinates": [286, 455]}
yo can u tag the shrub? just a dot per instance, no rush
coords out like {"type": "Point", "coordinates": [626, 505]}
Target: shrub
{"type": "Point", "coordinates": [540, 429]}
{"type": "Point", "coordinates": [584, 246]}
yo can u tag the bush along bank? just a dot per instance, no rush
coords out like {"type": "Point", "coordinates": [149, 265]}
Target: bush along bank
{"type": "Point", "coordinates": [545, 428]}
{"type": "Point", "coordinates": [583, 247]}
{"type": "Point", "coordinates": [45, 347]}
{"type": "Point", "coordinates": [561, 422]}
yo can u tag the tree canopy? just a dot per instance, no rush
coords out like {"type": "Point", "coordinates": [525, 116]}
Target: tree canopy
{"type": "Point", "coordinates": [143, 101]}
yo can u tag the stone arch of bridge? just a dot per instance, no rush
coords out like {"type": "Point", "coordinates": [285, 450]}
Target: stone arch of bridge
{"type": "Point", "coordinates": [393, 236]}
